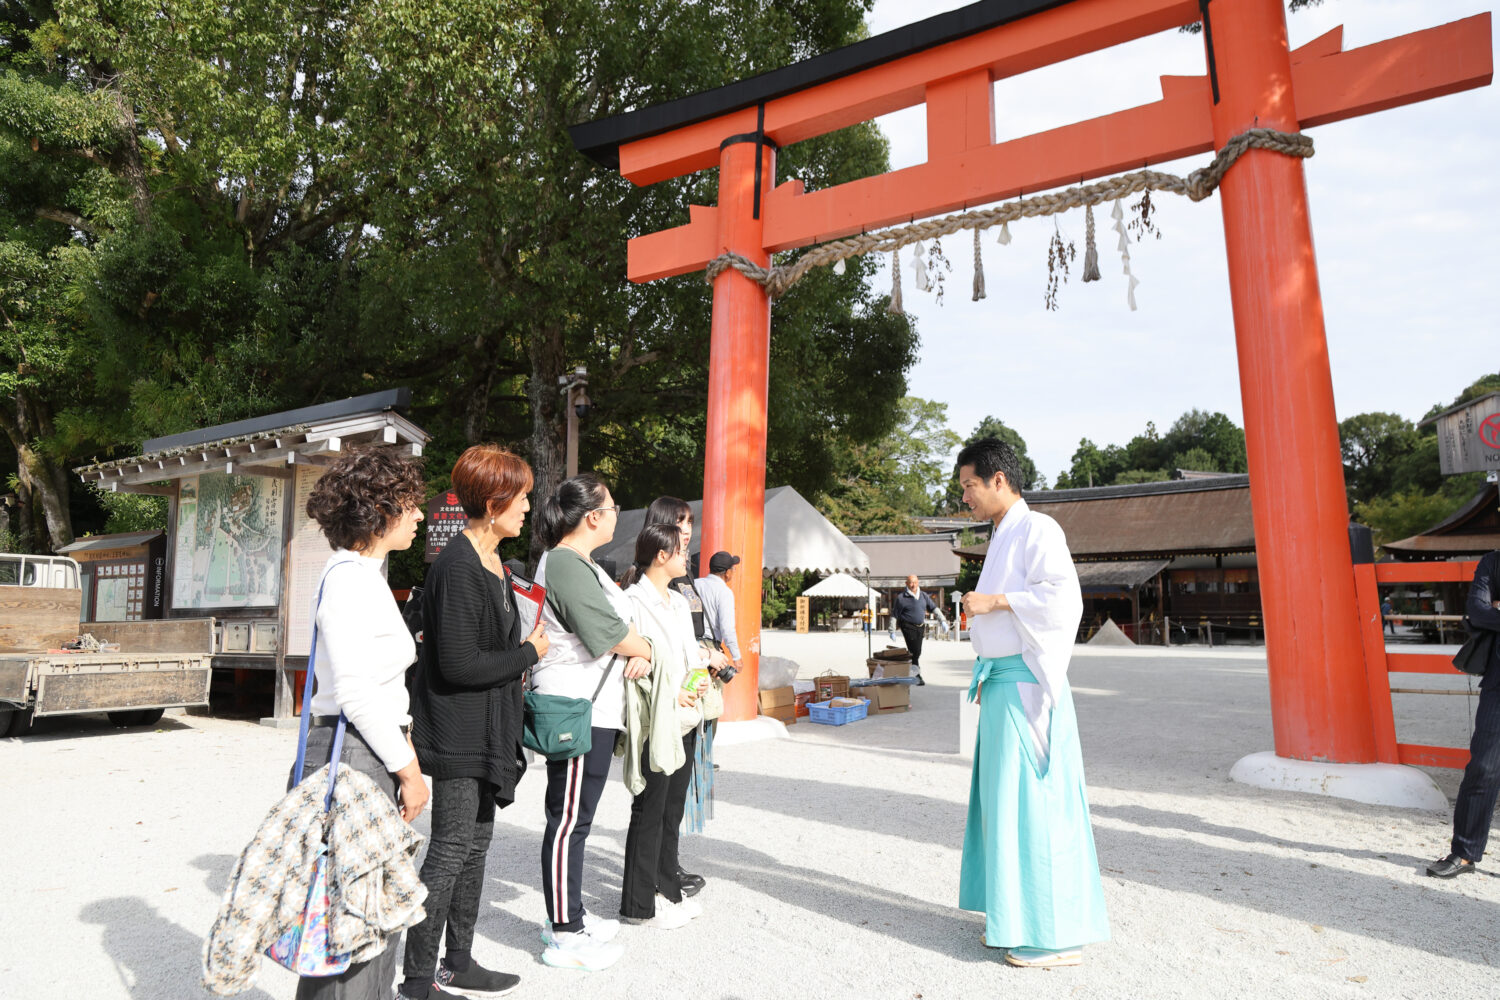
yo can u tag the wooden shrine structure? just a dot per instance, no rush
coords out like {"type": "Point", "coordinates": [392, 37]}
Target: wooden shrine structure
{"type": "Point", "coordinates": [949, 62]}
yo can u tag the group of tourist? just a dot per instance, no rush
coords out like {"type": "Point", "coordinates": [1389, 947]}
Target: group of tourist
{"type": "Point", "coordinates": [637, 652]}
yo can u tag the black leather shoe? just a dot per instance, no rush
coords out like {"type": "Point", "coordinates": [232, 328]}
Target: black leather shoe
{"type": "Point", "coordinates": [691, 884]}
{"type": "Point", "coordinates": [1450, 867]}
{"type": "Point", "coordinates": [920, 681]}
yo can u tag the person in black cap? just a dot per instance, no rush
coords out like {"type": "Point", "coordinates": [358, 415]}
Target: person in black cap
{"type": "Point", "coordinates": [718, 601]}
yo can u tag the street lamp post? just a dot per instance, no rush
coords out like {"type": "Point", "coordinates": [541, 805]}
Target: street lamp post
{"type": "Point", "coordinates": [574, 387]}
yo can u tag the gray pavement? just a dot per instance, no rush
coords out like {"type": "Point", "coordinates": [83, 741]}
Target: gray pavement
{"type": "Point", "coordinates": [832, 860]}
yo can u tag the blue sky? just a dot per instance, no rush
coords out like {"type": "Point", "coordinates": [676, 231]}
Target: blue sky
{"type": "Point", "coordinates": [1405, 222]}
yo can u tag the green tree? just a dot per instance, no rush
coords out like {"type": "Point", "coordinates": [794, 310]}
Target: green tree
{"type": "Point", "coordinates": [1198, 440]}
{"type": "Point", "coordinates": [1031, 478]}
{"type": "Point", "coordinates": [887, 483]}
{"type": "Point", "coordinates": [1375, 446]}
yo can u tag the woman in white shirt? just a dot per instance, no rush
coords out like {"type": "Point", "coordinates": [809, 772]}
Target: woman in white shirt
{"type": "Point", "coordinates": [368, 504]}
{"type": "Point", "coordinates": [651, 891]}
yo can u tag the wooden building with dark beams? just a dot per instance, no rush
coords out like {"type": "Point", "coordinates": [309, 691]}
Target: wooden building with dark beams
{"type": "Point", "coordinates": [1147, 553]}
{"type": "Point", "coordinates": [1470, 533]}
{"type": "Point", "coordinates": [240, 547]}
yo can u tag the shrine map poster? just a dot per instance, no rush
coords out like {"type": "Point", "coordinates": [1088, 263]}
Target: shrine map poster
{"type": "Point", "coordinates": [229, 532]}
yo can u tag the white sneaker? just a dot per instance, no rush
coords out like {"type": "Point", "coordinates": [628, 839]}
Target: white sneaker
{"type": "Point", "coordinates": [601, 929]}
{"type": "Point", "coordinates": [578, 950]}
{"type": "Point", "coordinates": [669, 916]}
{"type": "Point", "coordinates": [689, 906]}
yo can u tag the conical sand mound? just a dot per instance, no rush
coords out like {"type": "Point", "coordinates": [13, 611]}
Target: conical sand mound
{"type": "Point", "coordinates": [1109, 634]}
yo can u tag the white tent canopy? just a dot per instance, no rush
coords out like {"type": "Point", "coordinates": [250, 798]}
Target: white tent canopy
{"type": "Point", "coordinates": [798, 538]}
{"type": "Point", "coordinates": [841, 585]}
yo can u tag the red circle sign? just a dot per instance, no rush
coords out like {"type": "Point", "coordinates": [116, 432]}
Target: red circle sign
{"type": "Point", "coordinates": [1489, 431]}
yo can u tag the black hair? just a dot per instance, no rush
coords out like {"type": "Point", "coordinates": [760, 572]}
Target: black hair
{"type": "Point", "coordinates": [990, 455]}
{"type": "Point", "coordinates": [653, 540]}
{"type": "Point", "coordinates": [566, 509]}
{"type": "Point", "coordinates": [668, 510]}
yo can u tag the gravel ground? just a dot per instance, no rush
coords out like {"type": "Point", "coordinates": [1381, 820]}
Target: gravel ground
{"type": "Point", "coordinates": [832, 861]}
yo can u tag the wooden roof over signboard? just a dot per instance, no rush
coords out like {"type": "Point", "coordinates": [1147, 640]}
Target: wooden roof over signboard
{"type": "Point", "coordinates": [1149, 520]}
{"type": "Point", "coordinates": [265, 445]}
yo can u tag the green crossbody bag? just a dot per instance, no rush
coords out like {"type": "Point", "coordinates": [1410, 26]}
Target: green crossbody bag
{"type": "Point", "coordinates": [558, 727]}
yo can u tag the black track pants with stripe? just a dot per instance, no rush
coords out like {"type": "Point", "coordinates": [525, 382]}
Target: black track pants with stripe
{"type": "Point", "coordinates": [573, 790]}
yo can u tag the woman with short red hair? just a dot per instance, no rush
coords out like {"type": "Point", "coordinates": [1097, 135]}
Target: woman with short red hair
{"type": "Point", "coordinates": [466, 717]}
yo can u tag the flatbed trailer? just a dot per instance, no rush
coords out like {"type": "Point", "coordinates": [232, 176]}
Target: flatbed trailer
{"type": "Point", "coordinates": [147, 667]}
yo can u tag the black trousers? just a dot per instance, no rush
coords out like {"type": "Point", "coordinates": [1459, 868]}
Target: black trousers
{"type": "Point", "coordinates": [1475, 807]}
{"type": "Point", "coordinates": [463, 822]}
{"type": "Point", "coordinates": [573, 790]}
{"type": "Point", "coordinates": [651, 862]}
{"type": "Point", "coordinates": [913, 636]}
{"type": "Point", "coordinates": [371, 980]}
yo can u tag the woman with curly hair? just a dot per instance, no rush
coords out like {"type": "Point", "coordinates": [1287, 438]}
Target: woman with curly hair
{"type": "Point", "coordinates": [368, 504]}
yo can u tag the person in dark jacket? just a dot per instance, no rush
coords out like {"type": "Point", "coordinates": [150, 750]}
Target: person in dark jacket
{"type": "Point", "coordinates": [1475, 806]}
{"type": "Point", "coordinates": [910, 608]}
{"type": "Point", "coordinates": [466, 717]}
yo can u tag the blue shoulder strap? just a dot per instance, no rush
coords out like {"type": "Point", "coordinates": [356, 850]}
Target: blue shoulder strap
{"type": "Point", "coordinates": [307, 695]}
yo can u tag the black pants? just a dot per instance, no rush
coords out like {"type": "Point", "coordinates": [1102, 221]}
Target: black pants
{"type": "Point", "coordinates": [913, 636]}
{"type": "Point", "coordinates": [370, 980]}
{"type": "Point", "coordinates": [1475, 807]}
{"type": "Point", "coordinates": [651, 862]}
{"type": "Point", "coordinates": [463, 821]}
{"type": "Point", "coordinates": [573, 790]}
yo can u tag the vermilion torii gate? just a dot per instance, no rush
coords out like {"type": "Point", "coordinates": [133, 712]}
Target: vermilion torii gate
{"type": "Point", "coordinates": [1319, 695]}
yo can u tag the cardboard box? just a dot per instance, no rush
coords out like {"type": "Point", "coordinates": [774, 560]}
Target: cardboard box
{"type": "Point", "coordinates": [802, 700]}
{"type": "Point", "coordinates": [889, 668]}
{"type": "Point", "coordinates": [777, 698]}
{"type": "Point", "coordinates": [783, 713]}
{"type": "Point", "coordinates": [886, 697]}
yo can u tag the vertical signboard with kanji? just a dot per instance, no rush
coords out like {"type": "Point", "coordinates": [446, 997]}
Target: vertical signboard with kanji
{"type": "Point", "coordinates": [445, 519]}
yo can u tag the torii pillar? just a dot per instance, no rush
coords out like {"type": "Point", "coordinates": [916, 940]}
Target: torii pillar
{"type": "Point", "coordinates": [739, 372]}
{"type": "Point", "coordinates": [949, 62]}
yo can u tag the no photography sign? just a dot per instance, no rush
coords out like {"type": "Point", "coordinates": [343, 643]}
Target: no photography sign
{"type": "Point", "coordinates": [1469, 436]}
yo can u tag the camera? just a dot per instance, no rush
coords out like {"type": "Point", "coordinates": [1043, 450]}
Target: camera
{"type": "Point", "coordinates": [726, 673]}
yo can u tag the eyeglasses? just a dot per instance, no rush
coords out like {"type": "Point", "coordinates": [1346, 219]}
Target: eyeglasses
{"type": "Point", "coordinates": [613, 507]}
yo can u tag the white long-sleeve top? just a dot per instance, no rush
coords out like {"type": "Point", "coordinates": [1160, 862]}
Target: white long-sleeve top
{"type": "Point", "coordinates": [1028, 561]}
{"type": "Point", "coordinates": [363, 651]}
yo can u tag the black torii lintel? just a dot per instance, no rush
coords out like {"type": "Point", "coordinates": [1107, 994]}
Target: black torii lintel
{"type": "Point", "coordinates": [601, 140]}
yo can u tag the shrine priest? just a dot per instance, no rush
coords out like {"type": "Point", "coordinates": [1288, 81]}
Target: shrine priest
{"type": "Point", "coordinates": [1028, 861]}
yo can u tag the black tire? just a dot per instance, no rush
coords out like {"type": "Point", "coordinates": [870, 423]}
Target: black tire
{"type": "Point", "coordinates": [15, 721]}
{"type": "Point", "coordinates": [136, 717]}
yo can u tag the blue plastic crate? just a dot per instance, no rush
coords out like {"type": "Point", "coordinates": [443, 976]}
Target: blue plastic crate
{"type": "Point", "coordinates": [823, 712]}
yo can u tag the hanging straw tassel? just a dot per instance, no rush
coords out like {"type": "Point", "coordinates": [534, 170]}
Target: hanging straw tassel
{"type": "Point", "coordinates": [895, 306]}
{"type": "Point", "coordinates": [919, 271]}
{"type": "Point", "coordinates": [978, 271]}
{"type": "Point", "coordinates": [1091, 250]}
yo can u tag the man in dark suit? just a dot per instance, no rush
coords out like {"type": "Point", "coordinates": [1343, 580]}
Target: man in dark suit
{"type": "Point", "coordinates": [910, 609]}
{"type": "Point", "coordinates": [1475, 806]}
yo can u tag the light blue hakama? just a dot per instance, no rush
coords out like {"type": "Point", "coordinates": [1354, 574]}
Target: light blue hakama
{"type": "Point", "coordinates": [1029, 863]}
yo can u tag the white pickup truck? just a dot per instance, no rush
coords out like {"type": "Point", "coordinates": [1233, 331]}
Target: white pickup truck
{"type": "Point", "coordinates": [143, 667]}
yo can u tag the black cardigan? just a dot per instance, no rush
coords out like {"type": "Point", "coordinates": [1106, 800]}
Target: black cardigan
{"type": "Point", "coordinates": [467, 703]}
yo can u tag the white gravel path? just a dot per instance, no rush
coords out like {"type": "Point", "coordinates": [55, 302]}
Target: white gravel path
{"type": "Point", "coordinates": [832, 864]}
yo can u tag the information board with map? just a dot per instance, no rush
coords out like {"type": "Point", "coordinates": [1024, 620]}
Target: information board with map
{"type": "Point", "coordinates": [229, 533]}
